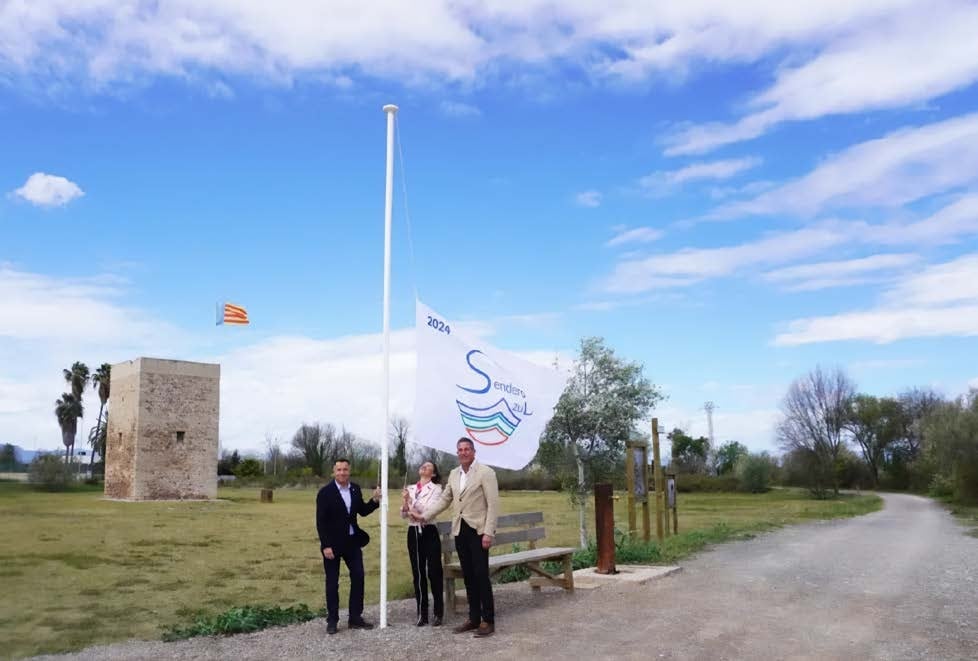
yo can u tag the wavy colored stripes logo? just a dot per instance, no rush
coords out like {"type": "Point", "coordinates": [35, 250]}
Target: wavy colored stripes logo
{"type": "Point", "coordinates": [493, 424]}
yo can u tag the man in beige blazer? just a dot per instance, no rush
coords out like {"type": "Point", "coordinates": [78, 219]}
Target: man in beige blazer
{"type": "Point", "coordinates": [473, 493]}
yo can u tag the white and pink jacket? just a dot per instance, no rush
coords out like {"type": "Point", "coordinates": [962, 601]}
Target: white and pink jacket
{"type": "Point", "coordinates": [423, 496]}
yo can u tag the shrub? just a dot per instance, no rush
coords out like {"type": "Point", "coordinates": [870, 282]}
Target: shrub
{"type": "Point", "coordinates": [941, 486]}
{"type": "Point", "coordinates": [50, 473]}
{"type": "Point", "coordinates": [753, 472]}
{"type": "Point", "coordinates": [241, 619]}
{"type": "Point", "coordinates": [248, 468]}
{"type": "Point", "coordinates": [688, 483]}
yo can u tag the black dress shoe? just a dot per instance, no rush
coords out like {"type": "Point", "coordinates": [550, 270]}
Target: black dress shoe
{"type": "Point", "coordinates": [437, 621]}
{"type": "Point", "coordinates": [331, 628]}
{"type": "Point", "coordinates": [360, 624]}
{"type": "Point", "coordinates": [422, 621]}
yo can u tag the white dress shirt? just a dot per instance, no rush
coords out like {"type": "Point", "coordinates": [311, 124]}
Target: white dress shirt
{"type": "Point", "coordinates": [345, 495]}
{"type": "Point", "coordinates": [462, 475]}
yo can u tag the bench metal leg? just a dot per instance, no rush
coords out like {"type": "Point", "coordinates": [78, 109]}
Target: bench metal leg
{"type": "Point", "coordinates": [450, 594]}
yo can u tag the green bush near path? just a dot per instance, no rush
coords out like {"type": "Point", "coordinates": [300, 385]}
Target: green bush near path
{"type": "Point", "coordinates": [242, 619]}
{"type": "Point", "coordinates": [79, 570]}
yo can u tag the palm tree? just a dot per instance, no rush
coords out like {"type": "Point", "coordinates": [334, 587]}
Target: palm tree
{"type": "Point", "coordinates": [67, 410]}
{"type": "Point", "coordinates": [77, 378]}
{"type": "Point", "coordinates": [100, 380]}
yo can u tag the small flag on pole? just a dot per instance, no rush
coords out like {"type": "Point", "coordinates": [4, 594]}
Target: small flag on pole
{"type": "Point", "coordinates": [229, 313]}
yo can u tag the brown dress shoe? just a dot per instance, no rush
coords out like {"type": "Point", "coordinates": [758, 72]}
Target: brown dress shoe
{"type": "Point", "coordinates": [468, 625]}
{"type": "Point", "coordinates": [485, 629]}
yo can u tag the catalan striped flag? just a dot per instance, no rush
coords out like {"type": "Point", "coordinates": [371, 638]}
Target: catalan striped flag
{"type": "Point", "coordinates": [229, 313]}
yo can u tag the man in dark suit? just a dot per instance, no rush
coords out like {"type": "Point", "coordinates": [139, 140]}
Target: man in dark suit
{"type": "Point", "coordinates": [337, 506]}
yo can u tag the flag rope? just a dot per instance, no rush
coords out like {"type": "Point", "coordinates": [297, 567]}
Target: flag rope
{"type": "Point", "coordinates": [407, 212]}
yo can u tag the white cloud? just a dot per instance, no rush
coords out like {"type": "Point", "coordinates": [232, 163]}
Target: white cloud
{"type": "Point", "coordinates": [46, 324]}
{"type": "Point", "coordinates": [822, 275]}
{"type": "Point", "coordinates": [663, 182]}
{"type": "Point", "coordinates": [84, 311]}
{"type": "Point", "coordinates": [973, 383]}
{"type": "Point", "coordinates": [640, 273]}
{"type": "Point", "coordinates": [901, 167]}
{"type": "Point", "coordinates": [105, 42]}
{"type": "Point", "coordinates": [950, 223]}
{"type": "Point", "coordinates": [267, 386]}
{"type": "Point", "coordinates": [458, 109]}
{"type": "Point", "coordinates": [588, 198]}
{"type": "Point", "coordinates": [48, 190]}
{"type": "Point", "coordinates": [690, 265]}
{"type": "Point", "coordinates": [636, 235]}
{"type": "Point", "coordinates": [882, 325]}
{"type": "Point", "coordinates": [904, 59]}
{"type": "Point", "coordinates": [940, 301]}
{"type": "Point", "coordinates": [751, 188]}
{"type": "Point", "coordinates": [951, 282]}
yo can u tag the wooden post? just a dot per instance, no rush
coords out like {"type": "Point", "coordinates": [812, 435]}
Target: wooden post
{"type": "Point", "coordinates": [630, 486]}
{"type": "Point", "coordinates": [646, 527]}
{"type": "Point", "coordinates": [266, 495]}
{"type": "Point", "coordinates": [604, 527]}
{"type": "Point", "coordinates": [658, 480]}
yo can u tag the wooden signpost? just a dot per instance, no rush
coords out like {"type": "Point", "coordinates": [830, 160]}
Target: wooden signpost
{"type": "Point", "coordinates": [637, 479]}
{"type": "Point", "coordinates": [671, 502]}
{"type": "Point", "coordinates": [658, 484]}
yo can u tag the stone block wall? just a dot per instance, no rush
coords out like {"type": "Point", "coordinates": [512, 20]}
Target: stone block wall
{"type": "Point", "coordinates": [162, 441]}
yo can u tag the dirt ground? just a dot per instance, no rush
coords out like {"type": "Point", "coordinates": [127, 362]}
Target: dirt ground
{"type": "Point", "coordinates": [901, 583]}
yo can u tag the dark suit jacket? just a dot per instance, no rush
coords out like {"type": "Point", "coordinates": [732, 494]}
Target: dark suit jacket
{"type": "Point", "coordinates": [333, 521]}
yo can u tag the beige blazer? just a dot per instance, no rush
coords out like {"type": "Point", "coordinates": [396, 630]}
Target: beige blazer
{"type": "Point", "coordinates": [478, 503]}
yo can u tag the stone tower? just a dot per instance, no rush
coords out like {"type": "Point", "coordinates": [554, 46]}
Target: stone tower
{"type": "Point", "coordinates": [162, 440]}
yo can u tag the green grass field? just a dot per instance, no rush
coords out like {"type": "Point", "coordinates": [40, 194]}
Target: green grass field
{"type": "Point", "coordinates": [78, 570]}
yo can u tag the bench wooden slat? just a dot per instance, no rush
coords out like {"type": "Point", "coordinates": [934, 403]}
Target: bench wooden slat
{"type": "Point", "coordinates": [513, 536]}
{"type": "Point", "coordinates": [505, 521]}
{"type": "Point", "coordinates": [529, 535]}
{"type": "Point", "coordinates": [520, 557]}
{"type": "Point", "coordinates": [521, 519]}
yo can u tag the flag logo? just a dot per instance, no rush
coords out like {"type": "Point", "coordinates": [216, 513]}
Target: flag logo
{"type": "Point", "coordinates": [229, 313]}
{"type": "Point", "coordinates": [492, 425]}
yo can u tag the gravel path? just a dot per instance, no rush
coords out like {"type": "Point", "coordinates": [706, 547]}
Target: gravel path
{"type": "Point", "coordinates": [897, 584]}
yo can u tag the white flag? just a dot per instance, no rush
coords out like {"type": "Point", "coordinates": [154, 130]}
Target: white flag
{"type": "Point", "coordinates": [468, 388]}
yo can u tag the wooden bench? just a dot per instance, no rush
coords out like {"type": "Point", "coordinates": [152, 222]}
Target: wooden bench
{"type": "Point", "coordinates": [510, 529]}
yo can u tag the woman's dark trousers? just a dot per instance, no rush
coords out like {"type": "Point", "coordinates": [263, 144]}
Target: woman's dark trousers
{"type": "Point", "coordinates": [425, 552]}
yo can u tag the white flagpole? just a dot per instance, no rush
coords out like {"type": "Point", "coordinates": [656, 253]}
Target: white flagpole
{"type": "Point", "coordinates": [391, 110]}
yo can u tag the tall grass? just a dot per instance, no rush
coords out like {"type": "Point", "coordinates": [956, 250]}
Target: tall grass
{"type": "Point", "coordinates": [77, 569]}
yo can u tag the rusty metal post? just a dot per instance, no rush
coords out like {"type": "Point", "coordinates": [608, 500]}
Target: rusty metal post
{"type": "Point", "coordinates": [604, 526]}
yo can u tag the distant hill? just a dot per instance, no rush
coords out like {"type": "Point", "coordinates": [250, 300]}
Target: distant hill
{"type": "Point", "coordinates": [23, 456]}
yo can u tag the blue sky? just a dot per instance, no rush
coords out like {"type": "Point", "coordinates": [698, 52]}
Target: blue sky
{"type": "Point", "coordinates": [729, 195]}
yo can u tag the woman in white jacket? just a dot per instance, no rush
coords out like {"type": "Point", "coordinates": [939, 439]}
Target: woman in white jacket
{"type": "Point", "coordinates": [424, 544]}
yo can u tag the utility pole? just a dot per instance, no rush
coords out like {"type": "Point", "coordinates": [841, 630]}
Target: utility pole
{"type": "Point", "coordinates": [709, 406]}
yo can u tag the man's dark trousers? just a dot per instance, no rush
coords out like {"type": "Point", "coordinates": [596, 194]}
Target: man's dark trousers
{"type": "Point", "coordinates": [475, 569]}
{"type": "Point", "coordinates": [352, 555]}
